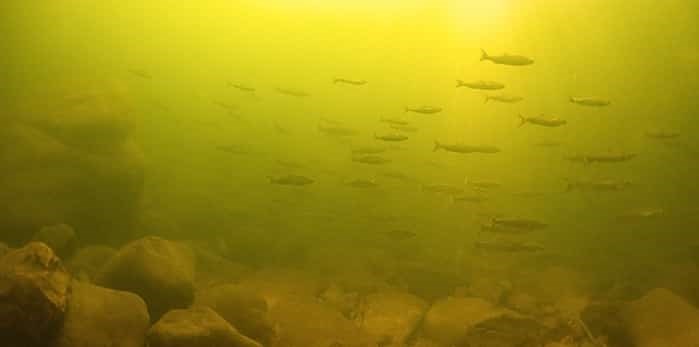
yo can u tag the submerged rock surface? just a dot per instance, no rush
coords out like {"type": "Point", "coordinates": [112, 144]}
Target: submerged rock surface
{"type": "Point", "coordinates": [34, 293]}
{"type": "Point", "coordinates": [661, 319]}
{"type": "Point", "coordinates": [158, 270]}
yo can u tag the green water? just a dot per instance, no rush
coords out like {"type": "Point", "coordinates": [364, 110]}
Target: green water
{"type": "Point", "coordinates": [165, 129]}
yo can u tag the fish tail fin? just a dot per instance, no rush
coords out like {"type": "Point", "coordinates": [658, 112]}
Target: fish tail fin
{"type": "Point", "coordinates": [571, 99]}
{"type": "Point", "coordinates": [459, 83]}
{"type": "Point", "coordinates": [487, 97]}
{"type": "Point", "coordinates": [335, 80]}
{"type": "Point", "coordinates": [376, 137]}
{"type": "Point", "coordinates": [484, 55]}
{"type": "Point", "coordinates": [407, 109]}
{"type": "Point", "coordinates": [522, 120]}
{"type": "Point", "coordinates": [437, 146]}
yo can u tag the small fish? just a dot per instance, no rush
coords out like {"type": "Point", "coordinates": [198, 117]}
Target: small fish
{"type": "Point", "coordinates": [606, 185]}
{"type": "Point", "coordinates": [602, 158]}
{"type": "Point", "coordinates": [362, 183]}
{"type": "Point", "coordinates": [336, 130]}
{"type": "Point", "coordinates": [371, 159]}
{"type": "Point", "coordinates": [507, 59]}
{"type": "Point", "coordinates": [225, 105]}
{"type": "Point", "coordinates": [391, 137]}
{"type": "Point", "coordinates": [141, 73]}
{"type": "Point", "coordinates": [369, 150]}
{"type": "Point", "coordinates": [347, 81]}
{"type": "Point", "coordinates": [241, 87]}
{"type": "Point", "coordinates": [520, 223]}
{"type": "Point", "coordinates": [482, 85]}
{"type": "Point", "coordinates": [590, 101]}
{"type": "Point", "coordinates": [424, 109]}
{"type": "Point", "coordinates": [543, 121]}
{"type": "Point", "coordinates": [639, 214]}
{"type": "Point", "coordinates": [292, 92]}
{"type": "Point", "coordinates": [291, 180]}
{"type": "Point", "coordinates": [404, 128]}
{"type": "Point", "coordinates": [442, 189]}
{"type": "Point", "coordinates": [465, 149]}
{"type": "Point", "coordinates": [394, 121]}
{"type": "Point", "coordinates": [472, 199]}
{"type": "Point", "coordinates": [396, 175]}
{"type": "Point", "coordinates": [481, 184]}
{"type": "Point", "coordinates": [508, 246]}
{"type": "Point", "coordinates": [398, 234]}
{"type": "Point", "coordinates": [508, 99]}
{"type": "Point", "coordinates": [662, 135]}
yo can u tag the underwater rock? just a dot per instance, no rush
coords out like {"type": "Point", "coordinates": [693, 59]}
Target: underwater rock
{"type": "Point", "coordinates": [507, 329]}
{"type": "Point", "coordinates": [60, 237]}
{"type": "Point", "coordinates": [3, 249]}
{"type": "Point", "coordinates": [196, 327]}
{"type": "Point", "coordinates": [98, 316]}
{"type": "Point", "coordinates": [660, 319]}
{"type": "Point", "coordinates": [523, 303]}
{"type": "Point", "coordinates": [449, 320]}
{"type": "Point", "coordinates": [392, 317]}
{"type": "Point", "coordinates": [213, 269]}
{"type": "Point", "coordinates": [489, 289]}
{"type": "Point", "coordinates": [71, 159]}
{"type": "Point", "coordinates": [336, 297]}
{"type": "Point", "coordinates": [34, 290]}
{"type": "Point", "coordinates": [303, 321]}
{"type": "Point", "coordinates": [242, 308]}
{"type": "Point", "coordinates": [160, 271]}
{"type": "Point", "coordinates": [87, 261]}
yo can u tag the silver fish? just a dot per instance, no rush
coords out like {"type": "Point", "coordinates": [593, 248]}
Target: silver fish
{"type": "Point", "coordinates": [371, 159]}
{"type": "Point", "coordinates": [292, 92]}
{"type": "Point", "coordinates": [241, 87]}
{"type": "Point", "coordinates": [482, 85]}
{"type": "Point", "coordinates": [543, 121]}
{"type": "Point", "coordinates": [362, 183]}
{"type": "Point", "coordinates": [508, 246]}
{"type": "Point", "coordinates": [662, 135]}
{"type": "Point", "coordinates": [606, 185]}
{"type": "Point", "coordinates": [590, 101]}
{"type": "Point", "coordinates": [369, 150]}
{"type": "Point", "coordinates": [394, 121]}
{"type": "Point", "coordinates": [424, 109]}
{"type": "Point", "coordinates": [347, 81]}
{"type": "Point", "coordinates": [442, 189]}
{"type": "Point", "coordinates": [391, 137]}
{"type": "Point", "coordinates": [507, 59]}
{"type": "Point", "coordinates": [141, 73]}
{"type": "Point", "coordinates": [602, 158]}
{"type": "Point", "coordinates": [465, 149]}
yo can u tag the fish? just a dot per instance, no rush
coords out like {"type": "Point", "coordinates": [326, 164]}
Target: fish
{"type": "Point", "coordinates": [509, 99]}
{"type": "Point", "coordinates": [404, 128]}
{"type": "Point", "coordinates": [241, 87]}
{"type": "Point", "coordinates": [519, 223]}
{"type": "Point", "coordinates": [543, 121]}
{"type": "Point", "coordinates": [442, 189]}
{"type": "Point", "coordinates": [662, 135]}
{"type": "Point", "coordinates": [291, 180]}
{"type": "Point", "coordinates": [391, 137]}
{"type": "Point", "coordinates": [465, 149]}
{"type": "Point", "coordinates": [482, 85]}
{"type": "Point", "coordinates": [369, 150]}
{"type": "Point", "coordinates": [347, 81]}
{"type": "Point", "coordinates": [507, 59]}
{"type": "Point", "coordinates": [337, 130]}
{"type": "Point", "coordinates": [639, 214]}
{"type": "Point", "coordinates": [606, 185]}
{"type": "Point", "coordinates": [394, 121]}
{"type": "Point", "coordinates": [589, 101]}
{"type": "Point", "coordinates": [292, 92]}
{"type": "Point", "coordinates": [602, 158]}
{"type": "Point", "coordinates": [472, 198]}
{"type": "Point", "coordinates": [396, 175]}
{"type": "Point", "coordinates": [508, 246]}
{"type": "Point", "coordinates": [398, 234]}
{"type": "Point", "coordinates": [481, 184]}
{"type": "Point", "coordinates": [361, 183]}
{"type": "Point", "coordinates": [371, 159]}
{"type": "Point", "coordinates": [424, 109]}
{"type": "Point", "coordinates": [225, 105]}
{"type": "Point", "coordinates": [141, 73]}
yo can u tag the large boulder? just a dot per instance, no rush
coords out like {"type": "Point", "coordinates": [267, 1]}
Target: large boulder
{"type": "Point", "coordinates": [158, 270]}
{"type": "Point", "coordinates": [87, 261]}
{"type": "Point", "coordinates": [304, 321]}
{"type": "Point", "coordinates": [60, 237]}
{"type": "Point", "coordinates": [391, 317]}
{"type": "Point", "coordinates": [242, 308]}
{"type": "Point", "coordinates": [70, 158]}
{"type": "Point", "coordinates": [660, 319]}
{"type": "Point", "coordinates": [103, 317]}
{"type": "Point", "coordinates": [34, 291]}
{"type": "Point", "coordinates": [449, 320]}
{"type": "Point", "coordinates": [196, 327]}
